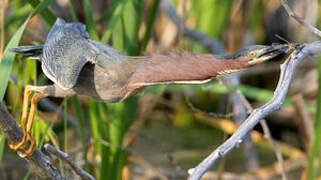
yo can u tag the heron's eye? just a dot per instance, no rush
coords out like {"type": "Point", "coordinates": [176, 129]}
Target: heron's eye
{"type": "Point", "coordinates": [252, 54]}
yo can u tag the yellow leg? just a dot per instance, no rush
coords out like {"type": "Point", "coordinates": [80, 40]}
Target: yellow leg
{"type": "Point", "coordinates": [25, 106]}
{"type": "Point", "coordinates": [26, 123]}
{"type": "Point", "coordinates": [35, 99]}
{"type": "Point", "coordinates": [32, 142]}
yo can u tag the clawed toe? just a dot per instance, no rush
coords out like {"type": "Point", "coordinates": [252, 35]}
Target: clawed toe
{"type": "Point", "coordinates": [26, 146]}
{"type": "Point", "coordinates": [30, 149]}
{"type": "Point", "coordinates": [21, 144]}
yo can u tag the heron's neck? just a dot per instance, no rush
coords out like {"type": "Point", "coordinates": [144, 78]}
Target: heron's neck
{"type": "Point", "coordinates": [183, 68]}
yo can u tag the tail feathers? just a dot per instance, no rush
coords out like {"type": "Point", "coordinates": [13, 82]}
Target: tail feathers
{"type": "Point", "coordinates": [27, 49]}
{"type": "Point", "coordinates": [32, 52]}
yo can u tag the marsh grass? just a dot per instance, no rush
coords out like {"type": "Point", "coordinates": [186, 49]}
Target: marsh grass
{"type": "Point", "coordinates": [315, 150]}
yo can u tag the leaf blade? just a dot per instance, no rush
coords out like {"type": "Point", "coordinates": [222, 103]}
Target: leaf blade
{"type": "Point", "coordinates": [8, 59]}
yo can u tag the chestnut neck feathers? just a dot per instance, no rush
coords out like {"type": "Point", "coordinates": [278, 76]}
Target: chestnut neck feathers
{"type": "Point", "coordinates": [182, 68]}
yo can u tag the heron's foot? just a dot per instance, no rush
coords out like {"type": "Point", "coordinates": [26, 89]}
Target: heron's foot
{"type": "Point", "coordinates": [26, 152]}
{"type": "Point", "coordinates": [26, 146]}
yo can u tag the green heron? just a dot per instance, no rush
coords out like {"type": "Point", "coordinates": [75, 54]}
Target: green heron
{"type": "Point", "coordinates": [79, 65]}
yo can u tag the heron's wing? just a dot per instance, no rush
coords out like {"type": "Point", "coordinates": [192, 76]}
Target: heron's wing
{"type": "Point", "coordinates": [118, 66]}
{"type": "Point", "coordinates": [106, 55]}
{"type": "Point", "coordinates": [65, 52]}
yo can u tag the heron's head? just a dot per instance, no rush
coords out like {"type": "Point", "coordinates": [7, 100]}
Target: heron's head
{"type": "Point", "coordinates": [257, 54]}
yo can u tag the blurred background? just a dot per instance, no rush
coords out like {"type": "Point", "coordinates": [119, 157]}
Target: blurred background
{"type": "Point", "coordinates": [166, 130]}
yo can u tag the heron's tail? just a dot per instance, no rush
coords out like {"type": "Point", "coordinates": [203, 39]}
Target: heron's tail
{"type": "Point", "coordinates": [32, 52]}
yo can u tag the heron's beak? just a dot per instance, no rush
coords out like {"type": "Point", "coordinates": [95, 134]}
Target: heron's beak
{"type": "Point", "coordinates": [272, 51]}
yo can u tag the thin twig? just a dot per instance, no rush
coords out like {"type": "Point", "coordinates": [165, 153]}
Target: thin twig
{"type": "Point", "coordinates": [265, 127]}
{"type": "Point", "coordinates": [212, 114]}
{"type": "Point", "coordinates": [240, 109]}
{"type": "Point", "coordinates": [266, 130]}
{"type": "Point", "coordinates": [267, 135]}
{"type": "Point", "coordinates": [40, 162]}
{"type": "Point", "coordinates": [136, 159]}
{"type": "Point", "coordinates": [287, 71]}
{"type": "Point", "coordinates": [65, 157]}
{"type": "Point", "coordinates": [145, 112]}
{"type": "Point", "coordinates": [304, 121]}
{"type": "Point", "coordinates": [292, 14]}
{"type": "Point", "coordinates": [213, 45]}
{"type": "Point", "coordinates": [229, 127]}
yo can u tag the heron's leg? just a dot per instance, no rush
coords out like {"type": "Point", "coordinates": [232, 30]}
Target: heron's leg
{"type": "Point", "coordinates": [26, 123]}
{"type": "Point", "coordinates": [27, 131]}
{"type": "Point", "coordinates": [25, 106]}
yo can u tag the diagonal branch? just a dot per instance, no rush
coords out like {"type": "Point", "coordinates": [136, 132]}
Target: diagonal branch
{"type": "Point", "coordinates": [287, 71]}
{"type": "Point", "coordinates": [65, 157]}
{"type": "Point", "coordinates": [39, 161]}
{"type": "Point", "coordinates": [265, 127]}
{"type": "Point", "coordinates": [292, 14]}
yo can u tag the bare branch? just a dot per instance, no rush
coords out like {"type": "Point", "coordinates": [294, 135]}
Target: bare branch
{"type": "Point", "coordinates": [292, 14]}
{"type": "Point", "coordinates": [267, 135]}
{"type": "Point", "coordinates": [266, 130]}
{"type": "Point", "coordinates": [39, 161]}
{"type": "Point", "coordinates": [304, 121]}
{"type": "Point", "coordinates": [287, 70]}
{"type": "Point", "coordinates": [214, 45]}
{"type": "Point", "coordinates": [65, 157]}
{"type": "Point", "coordinates": [241, 108]}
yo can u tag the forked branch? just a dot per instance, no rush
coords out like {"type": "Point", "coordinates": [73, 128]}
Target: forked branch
{"type": "Point", "coordinates": [286, 75]}
{"type": "Point", "coordinates": [65, 157]}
